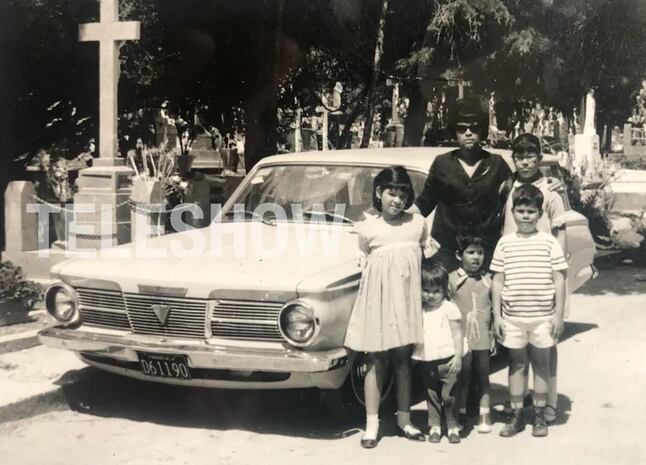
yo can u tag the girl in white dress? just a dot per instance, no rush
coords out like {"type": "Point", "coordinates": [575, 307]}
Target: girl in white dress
{"type": "Point", "coordinates": [386, 318]}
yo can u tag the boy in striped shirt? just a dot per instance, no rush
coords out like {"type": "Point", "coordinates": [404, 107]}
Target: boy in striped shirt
{"type": "Point", "coordinates": [528, 295]}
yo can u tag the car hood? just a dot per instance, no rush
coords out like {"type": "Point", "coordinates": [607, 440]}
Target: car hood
{"type": "Point", "coordinates": [226, 257]}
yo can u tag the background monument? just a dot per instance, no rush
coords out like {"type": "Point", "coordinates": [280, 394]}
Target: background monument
{"type": "Point", "coordinates": [102, 212]}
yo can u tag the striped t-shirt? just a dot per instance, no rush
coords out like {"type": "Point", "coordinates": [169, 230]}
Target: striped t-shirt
{"type": "Point", "coordinates": [528, 263]}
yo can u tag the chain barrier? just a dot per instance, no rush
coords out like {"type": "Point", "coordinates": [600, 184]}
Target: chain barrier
{"type": "Point", "coordinates": [137, 207]}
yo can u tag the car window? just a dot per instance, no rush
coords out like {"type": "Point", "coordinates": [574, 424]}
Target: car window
{"type": "Point", "coordinates": [296, 192]}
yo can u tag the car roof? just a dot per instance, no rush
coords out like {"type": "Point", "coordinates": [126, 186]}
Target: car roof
{"type": "Point", "coordinates": [410, 157]}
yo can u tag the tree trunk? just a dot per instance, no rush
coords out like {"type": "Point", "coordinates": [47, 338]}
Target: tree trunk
{"type": "Point", "coordinates": [261, 115]}
{"type": "Point", "coordinates": [379, 51]}
{"type": "Point", "coordinates": [416, 118]}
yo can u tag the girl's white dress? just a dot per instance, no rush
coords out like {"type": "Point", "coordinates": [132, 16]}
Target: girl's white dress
{"type": "Point", "coordinates": [388, 309]}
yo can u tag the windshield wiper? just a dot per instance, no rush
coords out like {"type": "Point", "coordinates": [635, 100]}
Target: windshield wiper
{"type": "Point", "coordinates": [328, 216]}
{"type": "Point", "coordinates": [250, 214]}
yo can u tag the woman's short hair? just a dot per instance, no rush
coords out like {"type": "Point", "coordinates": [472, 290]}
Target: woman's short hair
{"type": "Point", "coordinates": [393, 177]}
{"type": "Point", "coordinates": [470, 111]}
{"type": "Point", "coordinates": [527, 195]}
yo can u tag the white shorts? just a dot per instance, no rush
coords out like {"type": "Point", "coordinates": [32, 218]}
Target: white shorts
{"type": "Point", "coordinates": [517, 333]}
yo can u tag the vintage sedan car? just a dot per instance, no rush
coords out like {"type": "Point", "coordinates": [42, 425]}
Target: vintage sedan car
{"type": "Point", "coordinates": [260, 302]}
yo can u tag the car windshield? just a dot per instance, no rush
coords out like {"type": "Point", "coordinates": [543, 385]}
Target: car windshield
{"type": "Point", "coordinates": [306, 193]}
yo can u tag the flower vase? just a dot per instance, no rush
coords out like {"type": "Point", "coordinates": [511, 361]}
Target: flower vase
{"type": "Point", "coordinates": [185, 163]}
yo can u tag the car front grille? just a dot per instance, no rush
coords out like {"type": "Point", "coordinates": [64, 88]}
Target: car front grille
{"type": "Point", "coordinates": [246, 320]}
{"type": "Point", "coordinates": [230, 319]}
{"type": "Point", "coordinates": [104, 309]}
{"type": "Point", "coordinates": [187, 317]}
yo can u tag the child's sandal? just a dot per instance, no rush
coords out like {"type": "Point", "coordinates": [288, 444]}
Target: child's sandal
{"type": "Point", "coordinates": [551, 414]}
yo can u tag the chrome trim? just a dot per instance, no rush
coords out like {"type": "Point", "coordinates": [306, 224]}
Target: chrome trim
{"type": "Point", "coordinates": [51, 292]}
{"type": "Point", "coordinates": [200, 354]}
{"type": "Point", "coordinates": [186, 318]}
{"type": "Point", "coordinates": [317, 323]}
{"type": "Point", "coordinates": [103, 308]}
{"type": "Point", "coordinates": [98, 284]}
{"type": "Point", "coordinates": [246, 320]}
{"type": "Point", "coordinates": [162, 290]}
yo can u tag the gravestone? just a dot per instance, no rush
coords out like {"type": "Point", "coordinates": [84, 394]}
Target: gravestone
{"type": "Point", "coordinates": [634, 142]}
{"type": "Point", "coordinates": [586, 145]}
{"type": "Point", "coordinates": [627, 192]}
{"type": "Point", "coordinates": [206, 156]}
{"type": "Point", "coordinates": [22, 230]}
{"type": "Point", "coordinates": [21, 227]}
{"type": "Point", "coordinates": [101, 210]}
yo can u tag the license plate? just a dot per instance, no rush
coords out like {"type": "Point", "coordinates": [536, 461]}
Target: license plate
{"type": "Point", "coordinates": [164, 365]}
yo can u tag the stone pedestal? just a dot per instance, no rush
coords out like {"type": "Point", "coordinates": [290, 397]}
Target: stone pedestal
{"type": "Point", "coordinates": [148, 205]}
{"type": "Point", "coordinates": [101, 208]}
{"type": "Point", "coordinates": [394, 135]}
{"type": "Point", "coordinates": [586, 154]}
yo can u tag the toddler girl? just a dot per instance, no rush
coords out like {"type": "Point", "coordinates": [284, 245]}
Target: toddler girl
{"type": "Point", "coordinates": [440, 355]}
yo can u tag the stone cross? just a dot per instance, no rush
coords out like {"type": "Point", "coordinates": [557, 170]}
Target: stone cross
{"type": "Point", "coordinates": [110, 33]}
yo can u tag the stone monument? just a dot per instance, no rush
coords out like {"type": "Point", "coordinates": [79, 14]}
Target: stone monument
{"type": "Point", "coordinates": [394, 129]}
{"type": "Point", "coordinates": [586, 145]}
{"type": "Point", "coordinates": [101, 209]}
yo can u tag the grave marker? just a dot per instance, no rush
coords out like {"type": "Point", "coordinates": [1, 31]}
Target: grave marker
{"type": "Point", "coordinates": [586, 146]}
{"type": "Point", "coordinates": [106, 186]}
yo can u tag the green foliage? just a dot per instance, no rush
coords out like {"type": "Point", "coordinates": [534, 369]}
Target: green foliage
{"type": "Point", "coordinates": [15, 287]}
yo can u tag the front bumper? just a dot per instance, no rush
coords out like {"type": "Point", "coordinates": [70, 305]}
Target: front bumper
{"type": "Point", "coordinates": [216, 365]}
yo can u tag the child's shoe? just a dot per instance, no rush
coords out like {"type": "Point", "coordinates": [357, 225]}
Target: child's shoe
{"type": "Point", "coordinates": [435, 434]}
{"type": "Point", "coordinates": [539, 429]}
{"type": "Point", "coordinates": [515, 425]}
{"type": "Point", "coordinates": [453, 435]}
{"type": "Point", "coordinates": [484, 423]}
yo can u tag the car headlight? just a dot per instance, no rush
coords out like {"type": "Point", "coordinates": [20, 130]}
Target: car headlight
{"type": "Point", "coordinates": [61, 301]}
{"type": "Point", "coordinates": [298, 324]}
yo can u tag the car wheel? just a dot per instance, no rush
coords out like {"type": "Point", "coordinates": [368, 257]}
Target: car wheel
{"type": "Point", "coordinates": [348, 401]}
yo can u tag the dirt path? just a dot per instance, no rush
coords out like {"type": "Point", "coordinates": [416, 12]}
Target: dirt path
{"type": "Point", "coordinates": [99, 418]}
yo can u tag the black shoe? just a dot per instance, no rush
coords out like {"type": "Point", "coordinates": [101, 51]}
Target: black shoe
{"type": "Point", "coordinates": [514, 426]}
{"type": "Point", "coordinates": [419, 436]}
{"type": "Point", "coordinates": [435, 435]}
{"type": "Point", "coordinates": [369, 443]}
{"type": "Point", "coordinates": [539, 429]}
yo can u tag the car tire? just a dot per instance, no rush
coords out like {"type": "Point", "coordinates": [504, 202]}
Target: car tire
{"type": "Point", "coordinates": [348, 401]}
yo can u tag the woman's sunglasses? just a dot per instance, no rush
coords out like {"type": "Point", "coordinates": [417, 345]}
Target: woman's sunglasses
{"type": "Point", "coordinates": [462, 128]}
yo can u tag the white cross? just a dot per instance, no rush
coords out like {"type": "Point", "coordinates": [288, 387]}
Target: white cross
{"type": "Point", "coordinates": [109, 33]}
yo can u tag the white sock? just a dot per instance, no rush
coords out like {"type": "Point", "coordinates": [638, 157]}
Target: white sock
{"type": "Point", "coordinates": [484, 410]}
{"type": "Point", "coordinates": [403, 419]}
{"type": "Point", "coordinates": [372, 427]}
